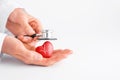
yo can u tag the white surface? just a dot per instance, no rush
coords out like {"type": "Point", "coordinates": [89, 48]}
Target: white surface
{"type": "Point", "coordinates": [91, 28]}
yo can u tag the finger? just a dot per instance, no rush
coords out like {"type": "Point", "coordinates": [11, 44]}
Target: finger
{"type": "Point", "coordinates": [36, 25]}
{"type": "Point", "coordinates": [35, 38]}
{"type": "Point", "coordinates": [67, 51]}
{"type": "Point", "coordinates": [58, 56]}
{"type": "Point", "coordinates": [60, 51]}
{"type": "Point", "coordinates": [25, 39]}
{"type": "Point", "coordinates": [47, 61]}
{"type": "Point", "coordinates": [56, 51]}
{"type": "Point", "coordinates": [38, 28]}
{"type": "Point", "coordinates": [33, 58]}
{"type": "Point", "coordinates": [19, 57]}
{"type": "Point", "coordinates": [28, 29]}
{"type": "Point", "coordinates": [37, 59]}
{"type": "Point", "coordinates": [29, 46]}
{"type": "Point", "coordinates": [30, 57]}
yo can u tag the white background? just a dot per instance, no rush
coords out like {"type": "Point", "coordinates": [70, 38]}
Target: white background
{"type": "Point", "coordinates": [91, 28]}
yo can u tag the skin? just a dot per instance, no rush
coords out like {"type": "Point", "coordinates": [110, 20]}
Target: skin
{"type": "Point", "coordinates": [11, 47]}
{"type": "Point", "coordinates": [21, 23]}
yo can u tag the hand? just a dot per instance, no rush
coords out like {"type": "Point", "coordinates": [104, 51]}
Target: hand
{"type": "Point", "coordinates": [16, 48]}
{"type": "Point", "coordinates": [57, 56]}
{"type": "Point", "coordinates": [21, 23]}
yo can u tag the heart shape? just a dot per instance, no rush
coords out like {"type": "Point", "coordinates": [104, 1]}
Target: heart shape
{"type": "Point", "coordinates": [46, 49]}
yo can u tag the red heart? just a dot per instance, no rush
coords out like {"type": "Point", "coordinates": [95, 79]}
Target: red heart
{"type": "Point", "coordinates": [46, 49]}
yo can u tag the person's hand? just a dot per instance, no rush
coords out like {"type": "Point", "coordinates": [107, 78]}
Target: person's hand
{"type": "Point", "coordinates": [21, 23]}
{"type": "Point", "coordinates": [16, 48]}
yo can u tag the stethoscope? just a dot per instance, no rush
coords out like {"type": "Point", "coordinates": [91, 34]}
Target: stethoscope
{"type": "Point", "coordinates": [47, 34]}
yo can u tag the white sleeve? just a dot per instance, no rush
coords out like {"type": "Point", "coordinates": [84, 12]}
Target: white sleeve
{"type": "Point", "coordinates": [2, 36]}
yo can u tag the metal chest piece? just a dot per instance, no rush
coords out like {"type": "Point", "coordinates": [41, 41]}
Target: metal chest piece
{"type": "Point", "coordinates": [47, 35]}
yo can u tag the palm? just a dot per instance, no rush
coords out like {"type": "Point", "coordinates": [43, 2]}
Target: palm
{"type": "Point", "coordinates": [57, 56]}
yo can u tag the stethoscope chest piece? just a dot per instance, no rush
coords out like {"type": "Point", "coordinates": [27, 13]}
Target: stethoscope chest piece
{"type": "Point", "coordinates": [47, 34]}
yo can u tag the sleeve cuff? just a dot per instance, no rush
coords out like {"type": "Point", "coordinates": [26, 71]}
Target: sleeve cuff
{"type": "Point", "coordinates": [2, 37]}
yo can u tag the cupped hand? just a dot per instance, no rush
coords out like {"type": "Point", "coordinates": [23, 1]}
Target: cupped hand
{"type": "Point", "coordinates": [16, 48]}
{"type": "Point", "coordinates": [57, 56]}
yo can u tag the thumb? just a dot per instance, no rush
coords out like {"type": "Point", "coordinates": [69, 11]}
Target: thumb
{"type": "Point", "coordinates": [28, 29]}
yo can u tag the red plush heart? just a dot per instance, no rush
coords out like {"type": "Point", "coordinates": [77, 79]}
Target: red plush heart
{"type": "Point", "coordinates": [46, 49]}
